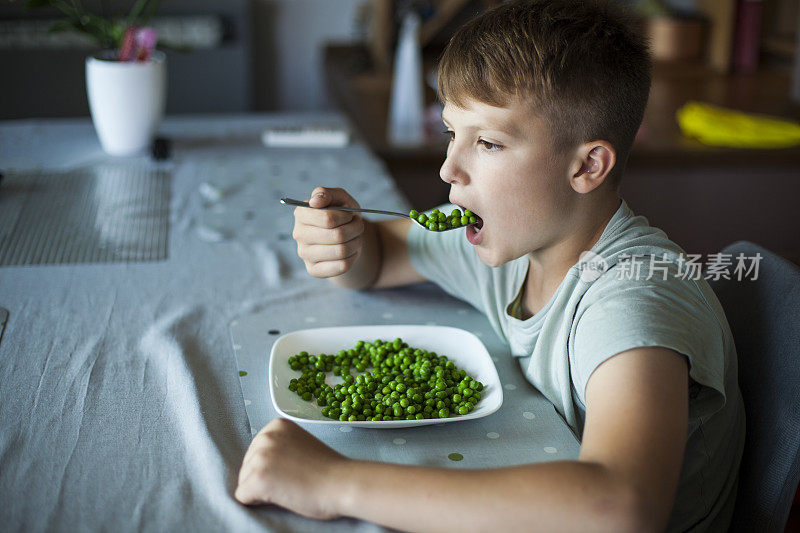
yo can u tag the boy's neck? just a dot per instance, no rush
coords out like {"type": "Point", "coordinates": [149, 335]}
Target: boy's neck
{"type": "Point", "coordinates": [549, 265]}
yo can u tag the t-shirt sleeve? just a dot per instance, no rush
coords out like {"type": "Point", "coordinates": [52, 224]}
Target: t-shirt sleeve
{"type": "Point", "coordinates": [666, 311]}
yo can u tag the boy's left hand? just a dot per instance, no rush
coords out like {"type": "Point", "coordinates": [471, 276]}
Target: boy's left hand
{"type": "Point", "coordinates": [285, 465]}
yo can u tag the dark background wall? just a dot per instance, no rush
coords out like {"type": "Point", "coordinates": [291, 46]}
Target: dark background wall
{"type": "Point", "coordinates": [270, 58]}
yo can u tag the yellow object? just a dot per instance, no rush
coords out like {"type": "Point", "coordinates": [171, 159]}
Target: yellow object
{"type": "Point", "coordinates": [718, 126]}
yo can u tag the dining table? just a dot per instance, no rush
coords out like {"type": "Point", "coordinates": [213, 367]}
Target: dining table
{"type": "Point", "coordinates": [140, 298]}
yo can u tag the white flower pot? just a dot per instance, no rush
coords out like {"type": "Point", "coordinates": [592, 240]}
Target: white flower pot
{"type": "Point", "coordinates": [127, 100]}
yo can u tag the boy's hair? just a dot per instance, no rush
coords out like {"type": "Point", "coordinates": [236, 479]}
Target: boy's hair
{"type": "Point", "coordinates": [580, 64]}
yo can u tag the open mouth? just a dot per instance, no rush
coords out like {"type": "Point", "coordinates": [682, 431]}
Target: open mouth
{"type": "Point", "coordinates": [474, 231]}
{"type": "Point", "coordinates": [479, 224]}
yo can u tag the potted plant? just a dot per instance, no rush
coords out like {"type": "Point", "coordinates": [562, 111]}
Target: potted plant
{"type": "Point", "coordinates": [126, 81]}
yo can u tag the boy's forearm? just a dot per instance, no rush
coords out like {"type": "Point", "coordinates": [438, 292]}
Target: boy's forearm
{"type": "Point", "coordinates": [366, 269]}
{"type": "Point", "coordinates": [568, 495]}
{"type": "Point", "coordinates": [384, 261]}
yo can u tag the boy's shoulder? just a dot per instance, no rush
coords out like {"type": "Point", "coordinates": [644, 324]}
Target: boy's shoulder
{"type": "Point", "coordinates": [629, 236]}
{"type": "Point", "coordinates": [635, 264]}
{"type": "Point", "coordinates": [631, 253]}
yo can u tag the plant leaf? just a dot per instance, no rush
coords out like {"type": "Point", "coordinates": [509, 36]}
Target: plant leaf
{"type": "Point", "coordinates": [61, 25]}
{"type": "Point", "coordinates": [136, 10]}
{"type": "Point", "coordinates": [151, 9]}
{"type": "Point", "coordinates": [32, 4]}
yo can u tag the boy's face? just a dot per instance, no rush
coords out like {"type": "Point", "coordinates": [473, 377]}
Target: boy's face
{"type": "Point", "coordinates": [501, 166]}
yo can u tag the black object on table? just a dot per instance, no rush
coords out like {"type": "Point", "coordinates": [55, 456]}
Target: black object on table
{"type": "Point", "coordinates": [161, 149]}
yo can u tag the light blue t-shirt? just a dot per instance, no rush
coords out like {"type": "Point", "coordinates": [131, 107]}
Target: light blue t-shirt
{"type": "Point", "coordinates": [634, 288]}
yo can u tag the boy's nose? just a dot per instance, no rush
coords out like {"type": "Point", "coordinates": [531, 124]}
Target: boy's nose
{"type": "Point", "coordinates": [451, 172]}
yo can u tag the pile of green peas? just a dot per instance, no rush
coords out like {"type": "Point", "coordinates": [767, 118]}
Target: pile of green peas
{"type": "Point", "coordinates": [438, 221]}
{"type": "Point", "coordinates": [397, 382]}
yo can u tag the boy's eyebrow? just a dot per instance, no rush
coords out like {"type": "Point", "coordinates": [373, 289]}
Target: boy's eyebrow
{"type": "Point", "coordinates": [502, 127]}
{"type": "Point", "coordinates": [444, 119]}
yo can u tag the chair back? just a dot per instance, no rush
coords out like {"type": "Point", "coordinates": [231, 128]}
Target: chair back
{"type": "Point", "coordinates": [764, 316]}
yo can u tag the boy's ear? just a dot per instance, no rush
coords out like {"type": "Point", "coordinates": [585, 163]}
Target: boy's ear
{"type": "Point", "coordinates": [593, 163]}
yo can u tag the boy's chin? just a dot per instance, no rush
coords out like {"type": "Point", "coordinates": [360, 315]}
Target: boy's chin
{"type": "Point", "coordinates": [490, 258]}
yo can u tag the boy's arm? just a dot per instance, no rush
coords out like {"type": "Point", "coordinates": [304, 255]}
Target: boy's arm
{"type": "Point", "coordinates": [352, 252]}
{"type": "Point", "coordinates": [624, 480]}
{"type": "Point", "coordinates": [396, 268]}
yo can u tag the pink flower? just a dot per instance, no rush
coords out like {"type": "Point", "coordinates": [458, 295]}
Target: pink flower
{"type": "Point", "coordinates": [138, 44]}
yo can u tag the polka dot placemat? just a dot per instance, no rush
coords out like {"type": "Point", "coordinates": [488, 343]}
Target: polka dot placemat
{"type": "Point", "coordinates": [525, 429]}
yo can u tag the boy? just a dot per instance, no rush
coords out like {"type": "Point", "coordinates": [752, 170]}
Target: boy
{"type": "Point", "coordinates": [542, 102]}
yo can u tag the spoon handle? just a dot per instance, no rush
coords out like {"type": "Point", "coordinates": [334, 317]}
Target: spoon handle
{"type": "Point", "coordinates": [292, 201]}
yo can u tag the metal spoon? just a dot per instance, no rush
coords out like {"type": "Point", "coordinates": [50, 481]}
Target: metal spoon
{"type": "Point", "coordinates": [291, 201]}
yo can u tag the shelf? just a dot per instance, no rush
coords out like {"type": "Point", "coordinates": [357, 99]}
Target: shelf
{"type": "Point", "coordinates": [364, 97]}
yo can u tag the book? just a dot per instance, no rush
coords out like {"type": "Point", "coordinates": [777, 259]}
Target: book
{"type": "Point", "coordinates": [747, 35]}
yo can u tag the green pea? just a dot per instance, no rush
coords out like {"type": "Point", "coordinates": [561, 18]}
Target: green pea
{"type": "Point", "coordinates": [395, 381]}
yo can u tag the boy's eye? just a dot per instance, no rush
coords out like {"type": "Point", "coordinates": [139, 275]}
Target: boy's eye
{"type": "Point", "coordinates": [451, 133]}
{"type": "Point", "coordinates": [489, 145]}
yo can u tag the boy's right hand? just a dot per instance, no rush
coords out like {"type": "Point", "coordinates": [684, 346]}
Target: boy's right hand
{"type": "Point", "coordinates": [328, 241]}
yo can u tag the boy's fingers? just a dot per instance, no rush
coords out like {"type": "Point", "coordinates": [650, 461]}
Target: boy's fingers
{"type": "Point", "coordinates": [319, 198]}
{"type": "Point", "coordinates": [317, 253]}
{"type": "Point", "coordinates": [315, 235]}
{"type": "Point", "coordinates": [322, 218]}
{"type": "Point", "coordinates": [324, 196]}
{"type": "Point", "coordinates": [243, 492]}
{"type": "Point", "coordinates": [330, 269]}
{"type": "Point", "coordinates": [246, 494]}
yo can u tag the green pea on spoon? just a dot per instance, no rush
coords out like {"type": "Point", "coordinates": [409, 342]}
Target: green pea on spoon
{"type": "Point", "coordinates": [433, 221]}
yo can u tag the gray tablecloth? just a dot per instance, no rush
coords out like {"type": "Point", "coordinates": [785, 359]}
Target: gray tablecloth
{"type": "Point", "coordinates": [120, 402]}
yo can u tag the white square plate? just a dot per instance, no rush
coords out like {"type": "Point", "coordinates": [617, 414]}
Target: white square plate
{"type": "Point", "coordinates": [462, 347]}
